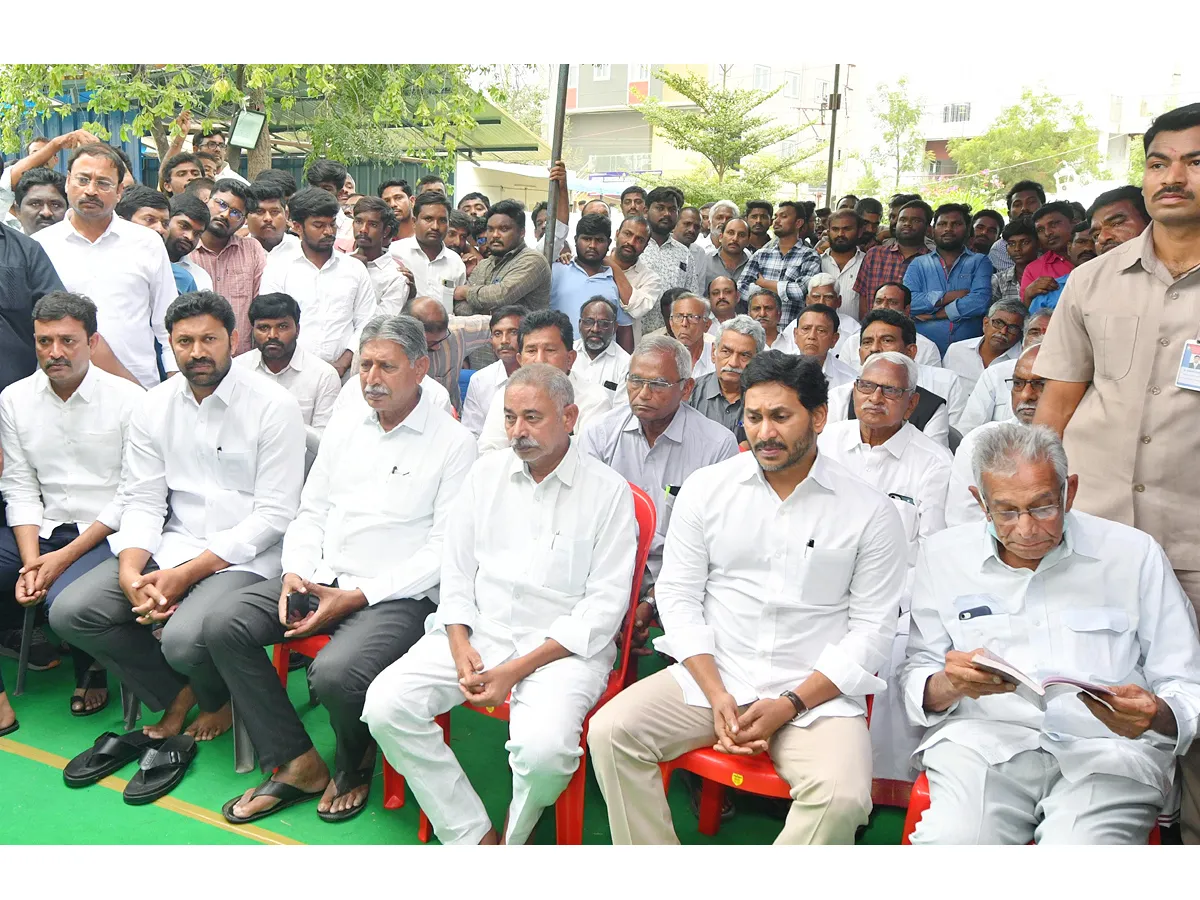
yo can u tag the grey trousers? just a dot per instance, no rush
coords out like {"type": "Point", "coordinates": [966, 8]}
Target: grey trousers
{"type": "Point", "coordinates": [94, 614]}
{"type": "Point", "coordinates": [361, 646]}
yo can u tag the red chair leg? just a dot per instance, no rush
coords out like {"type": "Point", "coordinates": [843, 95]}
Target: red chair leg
{"type": "Point", "coordinates": [282, 657]}
{"type": "Point", "coordinates": [393, 787]}
{"type": "Point", "coordinates": [712, 796]}
{"type": "Point", "coordinates": [1155, 836]}
{"type": "Point", "coordinates": [424, 829]}
{"type": "Point", "coordinates": [568, 810]}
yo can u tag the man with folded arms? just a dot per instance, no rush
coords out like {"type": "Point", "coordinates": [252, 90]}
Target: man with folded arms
{"type": "Point", "coordinates": [779, 588]}
{"type": "Point", "coordinates": [1054, 593]}
{"type": "Point", "coordinates": [535, 583]}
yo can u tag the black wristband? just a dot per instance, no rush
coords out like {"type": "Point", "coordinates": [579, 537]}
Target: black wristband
{"type": "Point", "coordinates": [800, 706]}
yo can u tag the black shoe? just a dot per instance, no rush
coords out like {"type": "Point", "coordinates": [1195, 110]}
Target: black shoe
{"type": "Point", "coordinates": [42, 655]}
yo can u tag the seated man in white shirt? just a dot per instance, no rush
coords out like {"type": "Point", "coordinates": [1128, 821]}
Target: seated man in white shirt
{"type": "Point", "coordinates": [689, 320]}
{"type": "Point", "coordinates": [275, 332]}
{"type": "Point", "coordinates": [546, 336]}
{"type": "Point", "coordinates": [1054, 593]}
{"type": "Point", "coordinates": [374, 227]}
{"type": "Point", "coordinates": [1001, 342]}
{"type": "Point", "coordinates": [765, 310]}
{"type": "Point", "coordinates": [815, 334]}
{"type": "Point", "coordinates": [780, 582]}
{"type": "Point", "coordinates": [535, 581]}
{"type": "Point", "coordinates": [723, 300]}
{"type": "Point", "coordinates": [505, 327]}
{"type": "Point", "coordinates": [63, 431]}
{"type": "Point", "coordinates": [896, 295]}
{"type": "Point", "coordinates": [215, 463]}
{"type": "Point", "coordinates": [598, 357]}
{"type": "Point", "coordinates": [990, 401]}
{"type": "Point", "coordinates": [365, 554]}
{"type": "Point", "coordinates": [823, 289]}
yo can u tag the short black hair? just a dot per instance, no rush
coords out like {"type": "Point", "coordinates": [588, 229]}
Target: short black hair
{"type": "Point", "coordinates": [1127, 192]}
{"type": "Point", "coordinates": [178, 160]}
{"type": "Point", "coordinates": [58, 305]}
{"type": "Point", "coordinates": [430, 198]}
{"type": "Point", "coordinates": [600, 298]}
{"type": "Point", "coordinates": [898, 200]}
{"type": "Point", "coordinates": [395, 182]}
{"type": "Point", "coordinates": [283, 180]}
{"type": "Point", "coordinates": [594, 225]}
{"type": "Point", "coordinates": [802, 374]}
{"type": "Point", "coordinates": [853, 197]}
{"type": "Point", "coordinates": [198, 184]}
{"type": "Point", "coordinates": [474, 195]}
{"type": "Point", "coordinates": [908, 328]}
{"type": "Point", "coordinates": [1058, 206]}
{"type": "Point", "coordinates": [1081, 227]}
{"type": "Point", "coordinates": [104, 151]}
{"type": "Point", "coordinates": [327, 171]}
{"type": "Point", "coordinates": [896, 284]}
{"type": "Point", "coordinates": [1179, 119]}
{"type": "Point", "coordinates": [1020, 187]}
{"type": "Point", "coordinates": [191, 206]}
{"type": "Point", "coordinates": [391, 225]}
{"type": "Point", "coordinates": [268, 190]}
{"type": "Point", "coordinates": [310, 202]}
{"type": "Point", "coordinates": [869, 205]}
{"type": "Point", "coordinates": [827, 311]}
{"type": "Point", "coordinates": [633, 189]}
{"type": "Point", "coordinates": [138, 196]}
{"type": "Point", "coordinates": [513, 209]}
{"type": "Point", "coordinates": [1019, 225]}
{"type": "Point", "coordinates": [200, 303]}
{"type": "Point", "coordinates": [988, 214]}
{"type": "Point", "coordinates": [826, 211]}
{"type": "Point", "coordinates": [238, 189]}
{"type": "Point", "coordinates": [770, 293]}
{"type": "Point", "coordinates": [961, 208]}
{"type": "Point", "coordinates": [36, 177]}
{"type": "Point", "coordinates": [663, 193]}
{"type": "Point", "coordinates": [841, 213]}
{"type": "Point", "coordinates": [684, 209]}
{"type": "Point", "coordinates": [764, 204]}
{"type": "Point", "coordinates": [709, 205]}
{"type": "Point", "coordinates": [429, 178]}
{"type": "Point", "coordinates": [541, 207]}
{"type": "Point", "coordinates": [546, 318]}
{"type": "Point", "coordinates": [505, 312]}
{"type": "Point", "coordinates": [926, 208]}
{"type": "Point", "coordinates": [459, 220]}
{"type": "Point", "coordinates": [275, 305]}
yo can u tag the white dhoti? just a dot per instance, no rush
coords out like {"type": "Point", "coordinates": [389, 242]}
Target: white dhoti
{"type": "Point", "coordinates": [546, 716]}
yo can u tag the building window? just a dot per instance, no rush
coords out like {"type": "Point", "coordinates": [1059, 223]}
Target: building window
{"type": "Point", "coordinates": [601, 71]}
{"type": "Point", "coordinates": [821, 93]}
{"type": "Point", "coordinates": [572, 76]}
{"type": "Point", "coordinates": [792, 88]}
{"type": "Point", "coordinates": [762, 78]}
{"type": "Point", "coordinates": [956, 112]}
{"type": "Point", "coordinates": [639, 72]}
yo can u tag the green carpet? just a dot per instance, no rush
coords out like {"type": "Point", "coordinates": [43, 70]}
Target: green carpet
{"type": "Point", "coordinates": [37, 808]}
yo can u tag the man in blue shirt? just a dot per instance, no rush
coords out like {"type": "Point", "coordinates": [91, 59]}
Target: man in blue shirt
{"type": "Point", "coordinates": [952, 287]}
{"type": "Point", "coordinates": [574, 284]}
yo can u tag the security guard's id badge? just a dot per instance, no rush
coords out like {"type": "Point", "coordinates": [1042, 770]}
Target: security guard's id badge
{"type": "Point", "coordinates": [1189, 367]}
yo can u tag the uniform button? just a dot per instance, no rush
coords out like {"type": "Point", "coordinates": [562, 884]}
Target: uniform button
{"type": "Point", "coordinates": [1140, 488]}
{"type": "Point", "coordinates": [1155, 391]}
{"type": "Point", "coordinates": [1145, 438]}
{"type": "Point", "coordinates": [1174, 295]}
{"type": "Point", "coordinates": [1164, 342]}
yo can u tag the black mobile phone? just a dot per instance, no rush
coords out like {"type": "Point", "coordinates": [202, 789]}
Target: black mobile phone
{"type": "Point", "coordinates": [974, 613]}
{"type": "Point", "coordinates": [299, 605]}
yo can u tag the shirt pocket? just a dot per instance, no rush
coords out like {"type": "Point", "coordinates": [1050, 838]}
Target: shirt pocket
{"type": "Point", "coordinates": [822, 579]}
{"type": "Point", "coordinates": [1113, 339]}
{"type": "Point", "coordinates": [1096, 643]}
{"type": "Point", "coordinates": [236, 470]}
{"type": "Point", "coordinates": [408, 496]}
{"type": "Point", "coordinates": [104, 451]}
{"type": "Point", "coordinates": [562, 563]}
{"type": "Point", "coordinates": [993, 633]}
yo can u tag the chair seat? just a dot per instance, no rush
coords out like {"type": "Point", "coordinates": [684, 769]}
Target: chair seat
{"type": "Point", "coordinates": [755, 774]}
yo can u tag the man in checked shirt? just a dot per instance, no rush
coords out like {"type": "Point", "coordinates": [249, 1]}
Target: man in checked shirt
{"type": "Point", "coordinates": [785, 264]}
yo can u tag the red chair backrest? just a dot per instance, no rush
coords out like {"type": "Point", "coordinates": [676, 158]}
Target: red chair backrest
{"type": "Point", "coordinates": [647, 522]}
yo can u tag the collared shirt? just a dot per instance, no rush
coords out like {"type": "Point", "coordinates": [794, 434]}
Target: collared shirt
{"type": "Point", "coordinates": [62, 460]}
{"type": "Point", "coordinates": [571, 288]}
{"type": "Point", "coordinates": [466, 334]}
{"type": "Point", "coordinates": [837, 372]}
{"type": "Point", "coordinates": [593, 401]}
{"type": "Point", "coordinates": [480, 390]}
{"type": "Point", "coordinates": [963, 357]}
{"type": "Point", "coordinates": [184, 282]}
{"type": "Point", "coordinates": [521, 277]}
{"type": "Point", "coordinates": [715, 267]}
{"type": "Point", "coordinates": [434, 278]}
{"type": "Point", "coordinates": [374, 508]}
{"type": "Point", "coordinates": [336, 300]}
{"type": "Point", "coordinates": [708, 399]}
{"type": "Point", "coordinates": [936, 429]}
{"type": "Point", "coordinates": [645, 290]}
{"type": "Point", "coordinates": [792, 271]}
{"type": "Point", "coordinates": [127, 274]}
{"type": "Point", "coordinates": [948, 386]}
{"type": "Point", "coordinates": [26, 275]}
{"type": "Point", "coordinates": [778, 589]}
{"type": "Point", "coordinates": [845, 279]}
{"type": "Point", "coordinates": [236, 274]}
{"type": "Point", "coordinates": [527, 562]}
{"type": "Point", "coordinates": [350, 401]}
{"type": "Point", "coordinates": [879, 266]}
{"type": "Point", "coordinates": [1048, 264]}
{"type": "Point", "coordinates": [227, 172]}
{"type": "Point", "coordinates": [222, 475]}
{"type": "Point", "coordinates": [608, 369]}
{"type": "Point", "coordinates": [391, 287]}
{"type": "Point", "coordinates": [704, 364]}
{"type": "Point", "coordinates": [999, 256]}
{"type": "Point", "coordinates": [312, 381]}
{"type": "Point", "coordinates": [203, 280]}
{"type": "Point", "coordinates": [675, 267]}
{"type": "Point", "coordinates": [990, 399]}
{"type": "Point", "coordinates": [961, 506]}
{"type": "Point", "coordinates": [1121, 325]}
{"type": "Point", "coordinates": [929, 280]}
{"type": "Point", "coordinates": [1101, 607]}
{"type": "Point", "coordinates": [1005, 285]}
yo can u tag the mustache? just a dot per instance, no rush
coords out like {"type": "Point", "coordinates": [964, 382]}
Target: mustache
{"type": "Point", "coordinates": [194, 363]}
{"type": "Point", "coordinates": [57, 361]}
{"type": "Point", "coordinates": [1173, 190]}
{"type": "Point", "coordinates": [376, 390]}
{"type": "Point", "coordinates": [732, 370]}
{"type": "Point", "coordinates": [524, 443]}
{"type": "Point", "coordinates": [1026, 407]}
{"type": "Point", "coordinates": [770, 445]}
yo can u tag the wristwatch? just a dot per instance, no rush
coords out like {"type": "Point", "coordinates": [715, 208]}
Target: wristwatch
{"type": "Point", "coordinates": [800, 706]}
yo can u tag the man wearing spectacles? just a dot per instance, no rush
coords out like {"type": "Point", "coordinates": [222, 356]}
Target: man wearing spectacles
{"type": "Point", "coordinates": [448, 340]}
{"type": "Point", "coordinates": [1001, 342]}
{"type": "Point", "coordinates": [1054, 592]}
{"type": "Point", "coordinates": [690, 319]}
{"type": "Point", "coordinates": [216, 145]}
{"type": "Point", "coordinates": [598, 357]}
{"type": "Point", "coordinates": [990, 399]}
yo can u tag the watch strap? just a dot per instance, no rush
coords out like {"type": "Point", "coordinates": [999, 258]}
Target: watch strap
{"type": "Point", "coordinates": [800, 706]}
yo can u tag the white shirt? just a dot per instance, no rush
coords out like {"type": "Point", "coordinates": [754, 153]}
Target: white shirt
{"type": "Point", "coordinates": [593, 401]}
{"type": "Point", "coordinates": [645, 290]}
{"type": "Point", "coordinates": [961, 507]}
{"type": "Point", "coordinates": [312, 381]}
{"type": "Point", "coordinates": [776, 590]}
{"type": "Point", "coordinates": [436, 278]}
{"type": "Point", "coordinates": [1103, 606]}
{"type": "Point", "coordinates": [927, 351]}
{"type": "Point", "coordinates": [127, 274]}
{"type": "Point", "coordinates": [391, 287]}
{"type": "Point", "coordinates": [609, 367]}
{"type": "Point", "coordinates": [991, 399]}
{"type": "Point", "coordinates": [227, 172]}
{"type": "Point", "coordinates": [480, 391]}
{"type": "Point", "coordinates": [373, 512]}
{"type": "Point", "coordinates": [287, 245]}
{"type": "Point", "coordinates": [62, 460]}
{"type": "Point", "coordinates": [936, 429]}
{"type": "Point", "coordinates": [230, 467]}
{"type": "Point", "coordinates": [845, 278]}
{"type": "Point", "coordinates": [705, 364]}
{"type": "Point", "coordinates": [692, 441]}
{"type": "Point", "coordinates": [199, 275]}
{"type": "Point", "coordinates": [837, 372]}
{"type": "Point", "coordinates": [948, 386]}
{"type": "Point", "coordinates": [336, 300]}
{"type": "Point", "coordinates": [350, 400]}
{"type": "Point", "coordinates": [848, 336]}
{"type": "Point", "coordinates": [963, 357]}
{"type": "Point", "coordinates": [560, 238]}
{"type": "Point", "coordinates": [528, 562]}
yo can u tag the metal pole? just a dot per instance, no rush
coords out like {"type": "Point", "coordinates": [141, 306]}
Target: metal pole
{"type": "Point", "coordinates": [835, 103]}
{"type": "Point", "coordinates": [556, 142]}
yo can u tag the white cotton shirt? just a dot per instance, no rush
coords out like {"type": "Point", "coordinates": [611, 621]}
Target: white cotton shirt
{"type": "Point", "coordinates": [961, 506]}
{"type": "Point", "coordinates": [336, 300]}
{"type": "Point", "coordinates": [373, 512]}
{"type": "Point", "coordinates": [963, 358]}
{"type": "Point", "coordinates": [526, 562]}
{"type": "Point", "coordinates": [936, 429]}
{"type": "Point", "coordinates": [391, 287]}
{"type": "Point", "coordinates": [705, 364]}
{"type": "Point", "coordinates": [312, 381]}
{"type": "Point", "coordinates": [645, 290]}
{"type": "Point", "coordinates": [845, 278]}
{"type": "Point", "coordinates": [350, 400]}
{"type": "Point", "coordinates": [991, 399]}
{"type": "Point", "coordinates": [948, 386]}
{"type": "Point", "coordinates": [436, 278]}
{"type": "Point", "coordinates": [1103, 606]}
{"type": "Point", "coordinates": [593, 401]}
{"type": "Point", "coordinates": [222, 475]}
{"type": "Point", "coordinates": [63, 460]}
{"type": "Point", "coordinates": [740, 581]}
{"type": "Point", "coordinates": [837, 372]}
{"type": "Point", "coordinates": [608, 370]}
{"type": "Point", "coordinates": [127, 274]}
{"type": "Point", "coordinates": [480, 391]}
{"type": "Point", "coordinates": [203, 280]}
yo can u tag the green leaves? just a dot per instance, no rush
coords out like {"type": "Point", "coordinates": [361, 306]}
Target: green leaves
{"type": "Point", "coordinates": [903, 145]}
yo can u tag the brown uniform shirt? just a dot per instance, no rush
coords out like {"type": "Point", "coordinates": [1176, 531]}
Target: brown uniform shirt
{"type": "Point", "coordinates": [1134, 441]}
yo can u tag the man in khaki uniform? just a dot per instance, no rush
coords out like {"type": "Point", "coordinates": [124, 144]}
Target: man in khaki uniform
{"type": "Point", "coordinates": [1115, 359]}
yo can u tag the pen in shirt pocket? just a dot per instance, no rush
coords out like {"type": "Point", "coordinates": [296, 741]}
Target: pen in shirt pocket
{"type": "Point", "coordinates": [808, 548]}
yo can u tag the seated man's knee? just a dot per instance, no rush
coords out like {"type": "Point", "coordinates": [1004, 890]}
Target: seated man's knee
{"type": "Point", "coordinates": [391, 699]}
{"type": "Point", "coordinates": [181, 648]}
{"type": "Point", "coordinates": [544, 751]}
{"type": "Point", "coordinates": [333, 677]}
{"type": "Point", "coordinates": [848, 805]}
{"type": "Point", "coordinates": [66, 615]}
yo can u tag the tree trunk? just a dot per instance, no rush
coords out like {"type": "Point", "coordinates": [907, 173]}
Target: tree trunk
{"type": "Point", "coordinates": [163, 144]}
{"type": "Point", "coordinates": [259, 158]}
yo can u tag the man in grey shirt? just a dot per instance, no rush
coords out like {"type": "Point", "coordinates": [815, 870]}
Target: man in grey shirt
{"type": "Point", "coordinates": [719, 393]}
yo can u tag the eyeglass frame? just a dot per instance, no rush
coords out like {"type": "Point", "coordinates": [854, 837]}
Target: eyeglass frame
{"type": "Point", "coordinates": [83, 181]}
{"type": "Point", "coordinates": [1005, 326]}
{"type": "Point", "coordinates": [687, 318]}
{"type": "Point", "coordinates": [655, 386]}
{"type": "Point", "coordinates": [228, 210]}
{"type": "Point", "coordinates": [602, 324]}
{"type": "Point", "coordinates": [1012, 383]}
{"type": "Point", "coordinates": [890, 392]}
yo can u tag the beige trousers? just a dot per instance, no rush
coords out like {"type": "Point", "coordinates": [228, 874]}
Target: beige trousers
{"type": "Point", "coordinates": [1189, 766]}
{"type": "Point", "coordinates": [827, 764]}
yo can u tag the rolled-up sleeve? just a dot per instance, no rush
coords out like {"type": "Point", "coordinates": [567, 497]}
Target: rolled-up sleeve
{"type": "Point", "coordinates": [1169, 644]}
{"type": "Point", "coordinates": [645, 293]}
{"type": "Point", "coordinates": [680, 588]}
{"type": "Point", "coordinates": [928, 643]}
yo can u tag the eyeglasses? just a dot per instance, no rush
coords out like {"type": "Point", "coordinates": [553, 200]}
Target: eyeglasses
{"type": "Point", "coordinates": [602, 324]}
{"type": "Point", "coordinates": [686, 318]}
{"type": "Point", "coordinates": [433, 345]}
{"type": "Point", "coordinates": [1001, 325]}
{"type": "Point", "coordinates": [1039, 513]}
{"type": "Point", "coordinates": [104, 185]}
{"type": "Point", "coordinates": [1039, 384]}
{"type": "Point", "coordinates": [656, 386]}
{"type": "Point", "coordinates": [235, 214]}
{"type": "Point", "coordinates": [869, 387]}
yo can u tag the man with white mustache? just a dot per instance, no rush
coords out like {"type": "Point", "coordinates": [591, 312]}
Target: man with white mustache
{"type": "Point", "coordinates": [719, 394]}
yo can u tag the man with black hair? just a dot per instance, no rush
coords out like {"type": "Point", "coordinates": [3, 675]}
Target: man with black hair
{"type": "Point", "coordinates": [209, 163]}
{"type": "Point", "coordinates": [374, 230]}
{"type": "Point", "coordinates": [1020, 237]}
{"type": "Point", "coordinates": [890, 260]}
{"type": "Point", "coordinates": [731, 256]}
{"type": "Point", "coordinates": [215, 464]}
{"type": "Point", "coordinates": [398, 196]}
{"type": "Point", "coordinates": [41, 154]}
{"type": "Point", "coordinates": [281, 179]}
{"type": "Point", "coordinates": [200, 187]}
{"type": "Point", "coordinates": [458, 232]}
{"type": "Point", "coordinates": [638, 285]}
{"type": "Point", "coordinates": [235, 263]}
{"type": "Point", "coordinates": [186, 225]}
{"type": "Point", "coordinates": [669, 259]}
{"type": "Point", "coordinates": [267, 224]}
{"type": "Point", "coordinates": [986, 226]}
{"type": "Point", "coordinates": [328, 175]}
{"type": "Point", "coordinates": [759, 216]}
{"type": "Point", "coordinates": [41, 200]}
{"type": "Point", "coordinates": [1053, 223]}
{"type": "Point", "coordinates": [433, 268]}
{"type": "Point", "coordinates": [1082, 246]}
{"type": "Point", "coordinates": [178, 172]}
{"type": "Point", "coordinates": [474, 204]}
{"type": "Point", "coordinates": [850, 201]}
{"type": "Point", "coordinates": [820, 223]}
{"type": "Point", "coordinates": [705, 240]}
{"type": "Point", "coordinates": [598, 356]}
{"type": "Point", "coordinates": [1024, 199]}
{"type": "Point", "coordinates": [895, 295]}
{"type": "Point", "coordinates": [216, 145]}
{"type": "Point", "coordinates": [334, 290]}
{"type": "Point", "coordinates": [431, 182]}
{"type": "Point", "coordinates": [633, 201]}
{"type": "Point", "coordinates": [1117, 216]}
{"type": "Point", "coordinates": [785, 265]}
{"type": "Point", "coordinates": [589, 275]}
{"type": "Point", "coordinates": [513, 273]}
{"type": "Point", "coordinates": [144, 206]}
{"type": "Point", "coordinates": [844, 256]}
{"type": "Point", "coordinates": [869, 211]}
{"type": "Point", "coordinates": [504, 325]}
{"type": "Point", "coordinates": [687, 229]}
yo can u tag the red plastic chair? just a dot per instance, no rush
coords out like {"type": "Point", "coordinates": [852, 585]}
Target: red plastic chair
{"type": "Point", "coordinates": [753, 774]}
{"type": "Point", "coordinates": [920, 803]}
{"type": "Point", "coordinates": [568, 811]}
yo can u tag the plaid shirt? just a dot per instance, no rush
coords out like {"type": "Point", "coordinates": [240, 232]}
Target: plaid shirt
{"type": "Point", "coordinates": [881, 265]}
{"type": "Point", "coordinates": [236, 274]}
{"type": "Point", "coordinates": [792, 270]}
{"type": "Point", "coordinates": [1005, 285]}
{"type": "Point", "coordinates": [466, 334]}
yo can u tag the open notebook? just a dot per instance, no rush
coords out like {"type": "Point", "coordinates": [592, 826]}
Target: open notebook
{"type": "Point", "coordinates": [1039, 694]}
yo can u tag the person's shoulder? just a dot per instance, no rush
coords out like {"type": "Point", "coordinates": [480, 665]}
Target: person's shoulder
{"type": "Point", "coordinates": [249, 359]}
{"type": "Point", "coordinates": [727, 473]}
{"type": "Point", "coordinates": [955, 546]}
{"type": "Point", "coordinates": [704, 430]}
{"type": "Point", "coordinates": [861, 499]}
{"type": "Point", "coordinates": [119, 387]}
{"type": "Point", "coordinates": [1117, 538]}
{"type": "Point", "coordinates": [449, 429]}
{"type": "Point", "coordinates": [251, 246]}
{"type": "Point", "coordinates": [48, 235]}
{"type": "Point", "coordinates": [600, 473]}
{"type": "Point", "coordinates": [835, 433]}
{"type": "Point", "coordinates": [933, 453]}
{"type": "Point", "coordinates": [266, 390]}
{"type": "Point", "coordinates": [19, 390]}
{"type": "Point", "coordinates": [961, 348]}
{"type": "Point", "coordinates": [350, 262]}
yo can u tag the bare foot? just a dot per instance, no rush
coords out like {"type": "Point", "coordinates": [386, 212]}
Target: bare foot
{"type": "Point", "coordinates": [209, 725]}
{"type": "Point", "coordinates": [332, 801]}
{"type": "Point", "coordinates": [307, 772]}
{"type": "Point", "coordinates": [490, 838]}
{"type": "Point", "coordinates": [7, 716]}
{"type": "Point", "coordinates": [172, 721]}
{"type": "Point", "coordinates": [93, 698]}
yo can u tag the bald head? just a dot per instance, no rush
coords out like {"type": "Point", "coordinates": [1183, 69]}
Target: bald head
{"type": "Point", "coordinates": [429, 312]}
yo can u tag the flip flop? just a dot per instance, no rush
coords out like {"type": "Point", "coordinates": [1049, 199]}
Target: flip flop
{"type": "Point", "coordinates": [346, 782]}
{"type": "Point", "coordinates": [92, 680]}
{"type": "Point", "coordinates": [9, 729]}
{"type": "Point", "coordinates": [110, 752]}
{"type": "Point", "coordinates": [287, 794]}
{"type": "Point", "coordinates": [160, 770]}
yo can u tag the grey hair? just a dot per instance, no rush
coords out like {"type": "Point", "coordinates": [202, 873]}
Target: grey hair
{"type": "Point", "coordinates": [1044, 313]}
{"type": "Point", "coordinates": [707, 305]}
{"type": "Point", "coordinates": [725, 204]}
{"type": "Point", "coordinates": [548, 378]}
{"type": "Point", "coordinates": [406, 331]}
{"type": "Point", "coordinates": [1001, 449]}
{"type": "Point", "coordinates": [743, 324]}
{"type": "Point", "coordinates": [660, 343]}
{"type": "Point", "coordinates": [822, 279]}
{"type": "Point", "coordinates": [1016, 307]}
{"type": "Point", "coordinates": [907, 363]}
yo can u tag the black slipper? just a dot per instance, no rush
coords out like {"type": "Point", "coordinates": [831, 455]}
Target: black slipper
{"type": "Point", "coordinates": [346, 782]}
{"type": "Point", "coordinates": [287, 794]}
{"type": "Point", "coordinates": [160, 770]}
{"type": "Point", "coordinates": [92, 680]}
{"type": "Point", "coordinates": [110, 752]}
{"type": "Point", "coordinates": [9, 729]}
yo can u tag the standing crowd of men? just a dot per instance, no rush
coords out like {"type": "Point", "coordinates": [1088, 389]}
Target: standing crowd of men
{"type": "Point", "coordinates": [231, 415]}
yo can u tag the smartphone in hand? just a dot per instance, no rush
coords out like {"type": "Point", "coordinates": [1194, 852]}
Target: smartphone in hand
{"type": "Point", "coordinates": [299, 605]}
